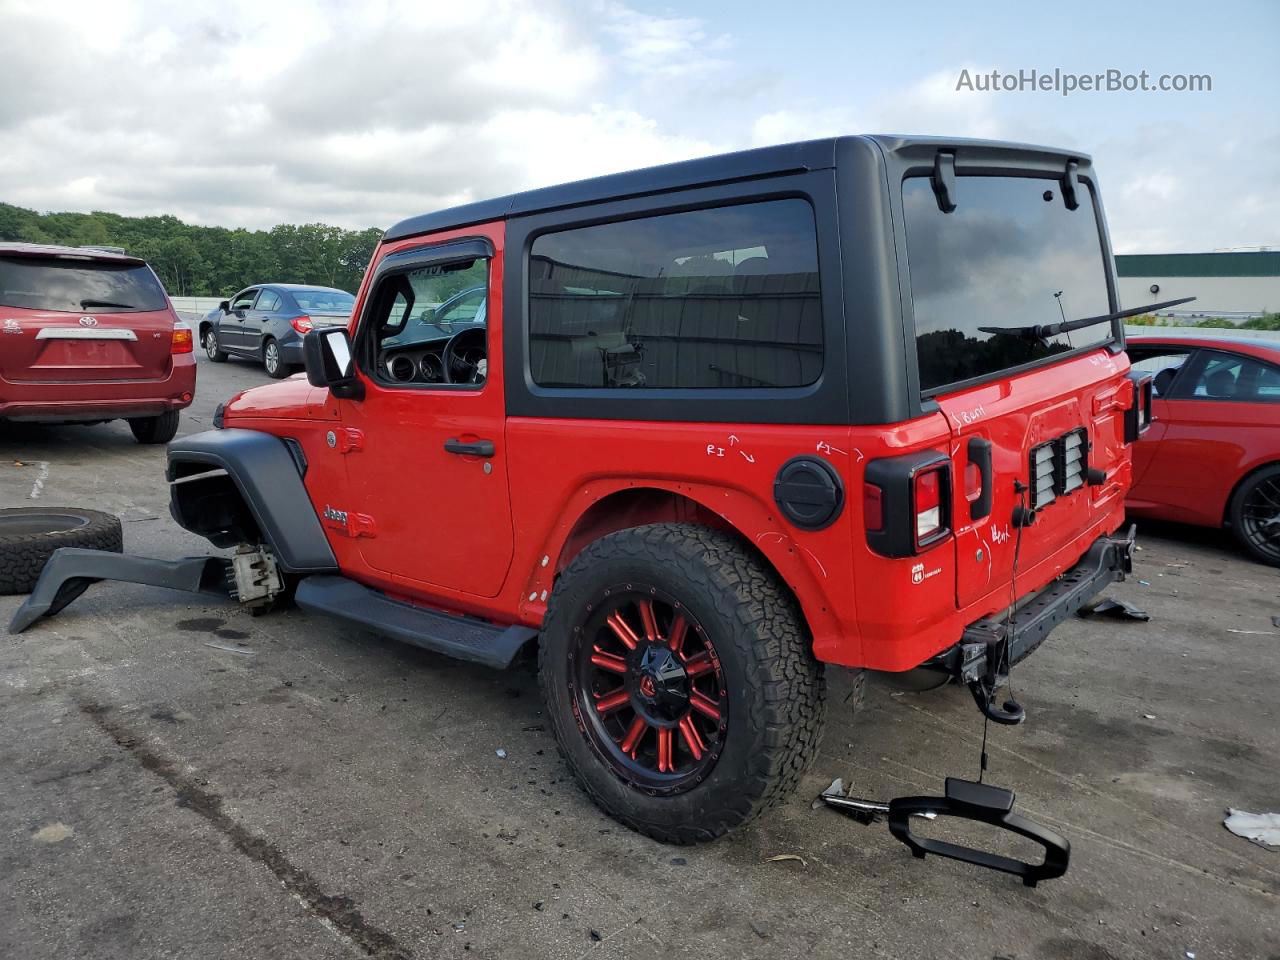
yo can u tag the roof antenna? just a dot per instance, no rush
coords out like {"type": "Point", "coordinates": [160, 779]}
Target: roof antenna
{"type": "Point", "coordinates": [944, 181]}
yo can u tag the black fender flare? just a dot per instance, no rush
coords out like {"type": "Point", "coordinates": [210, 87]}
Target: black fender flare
{"type": "Point", "coordinates": [268, 476]}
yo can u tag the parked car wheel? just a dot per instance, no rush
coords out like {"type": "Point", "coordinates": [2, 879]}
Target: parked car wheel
{"type": "Point", "coordinates": [159, 429]}
{"type": "Point", "coordinates": [211, 348]}
{"type": "Point", "coordinates": [1255, 514]}
{"type": "Point", "coordinates": [276, 368]}
{"type": "Point", "coordinates": [679, 679]}
{"type": "Point", "coordinates": [29, 535]}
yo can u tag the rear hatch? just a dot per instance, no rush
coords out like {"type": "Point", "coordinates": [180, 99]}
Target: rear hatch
{"type": "Point", "coordinates": [73, 318]}
{"type": "Point", "coordinates": [1036, 410]}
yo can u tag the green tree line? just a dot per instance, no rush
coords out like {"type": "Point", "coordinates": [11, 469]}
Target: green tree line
{"type": "Point", "coordinates": [195, 261]}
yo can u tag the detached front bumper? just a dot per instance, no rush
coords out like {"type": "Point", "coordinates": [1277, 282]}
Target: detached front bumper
{"type": "Point", "coordinates": [990, 646]}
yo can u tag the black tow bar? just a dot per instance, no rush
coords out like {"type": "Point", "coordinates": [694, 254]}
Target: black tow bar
{"type": "Point", "coordinates": [965, 800]}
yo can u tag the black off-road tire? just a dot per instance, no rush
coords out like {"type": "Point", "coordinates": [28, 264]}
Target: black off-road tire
{"type": "Point", "coordinates": [776, 690]}
{"type": "Point", "coordinates": [29, 535]}
{"type": "Point", "coordinates": [211, 349]}
{"type": "Point", "coordinates": [159, 429]}
{"type": "Point", "coordinates": [1254, 513]}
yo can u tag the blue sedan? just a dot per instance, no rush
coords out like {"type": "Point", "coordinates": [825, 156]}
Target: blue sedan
{"type": "Point", "coordinates": [266, 323]}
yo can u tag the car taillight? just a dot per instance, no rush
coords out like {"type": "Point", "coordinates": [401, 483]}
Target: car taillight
{"type": "Point", "coordinates": [906, 502]}
{"type": "Point", "coordinates": [1138, 417]}
{"type": "Point", "coordinates": [872, 507]}
{"type": "Point", "coordinates": [928, 507]}
{"type": "Point", "coordinates": [182, 341]}
{"type": "Point", "coordinates": [301, 324]}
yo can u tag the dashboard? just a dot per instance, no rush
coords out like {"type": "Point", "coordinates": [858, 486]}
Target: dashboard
{"type": "Point", "coordinates": [459, 359]}
{"type": "Point", "coordinates": [421, 364]}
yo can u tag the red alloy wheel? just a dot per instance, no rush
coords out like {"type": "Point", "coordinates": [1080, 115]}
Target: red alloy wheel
{"type": "Point", "coordinates": [649, 693]}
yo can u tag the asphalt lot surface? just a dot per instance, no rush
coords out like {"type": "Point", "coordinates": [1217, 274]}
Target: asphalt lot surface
{"type": "Point", "coordinates": [178, 779]}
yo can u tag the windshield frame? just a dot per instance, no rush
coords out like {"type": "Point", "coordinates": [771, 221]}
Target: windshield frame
{"type": "Point", "coordinates": [1000, 161]}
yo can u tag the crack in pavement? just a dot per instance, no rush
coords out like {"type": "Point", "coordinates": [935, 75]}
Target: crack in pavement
{"type": "Point", "coordinates": [339, 913]}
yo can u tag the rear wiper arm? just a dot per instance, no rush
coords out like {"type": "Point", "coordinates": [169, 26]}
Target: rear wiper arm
{"type": "Point", "coordinates": [85, 304]}
{"type": "Point", "coordinates": [1042, 331]}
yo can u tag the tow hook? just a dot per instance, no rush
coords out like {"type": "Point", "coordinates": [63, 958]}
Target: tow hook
{"type": "Point", "coordinates": [965, 800]}
{"type": "Point", "coordinates": [979, 670]}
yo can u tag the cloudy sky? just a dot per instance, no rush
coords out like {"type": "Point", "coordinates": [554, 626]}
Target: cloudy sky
{"type": "Point", "coordinates": [269, 111]}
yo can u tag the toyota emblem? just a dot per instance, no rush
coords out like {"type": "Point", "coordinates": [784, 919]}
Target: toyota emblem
{"type": "Point", "coordinates": [88, 321]}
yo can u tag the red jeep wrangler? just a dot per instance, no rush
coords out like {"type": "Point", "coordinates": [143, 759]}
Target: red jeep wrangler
{"type": "Point", "coordinates": [710, 428]}
{"type": "Point", "coordinates": [88, 335]}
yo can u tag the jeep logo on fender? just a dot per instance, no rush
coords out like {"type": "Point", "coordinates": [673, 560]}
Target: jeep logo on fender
{"type": "Point", "coordinates": [88, 321]}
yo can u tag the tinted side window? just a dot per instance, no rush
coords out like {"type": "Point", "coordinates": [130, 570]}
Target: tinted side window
{"type": "Point", "coordinates": [719, 298]}
{"type": "Point", "coordinates": [1226, 376]}
{"type": "Point", "coordinates": [1163, 365]}
{"type": "Point", "coordinates": [269, 301]}
{"type": "Point", "coordinates": [244, 299]}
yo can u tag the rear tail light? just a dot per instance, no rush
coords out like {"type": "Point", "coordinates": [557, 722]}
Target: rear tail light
{"type": "Point", "coordinates": [182, 341]}
{"type": "Point", "coordinates": [929, 507]}
{"type": "Point", "coordinates": [1138, 417]}
{"type": "Point", "coordinates": [302, 324]}
{"type": "Point", "coordinates": [906, 502]}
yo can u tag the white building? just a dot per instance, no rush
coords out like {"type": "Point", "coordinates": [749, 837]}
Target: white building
{"type": "Point", "coordinates": [1233, 285]}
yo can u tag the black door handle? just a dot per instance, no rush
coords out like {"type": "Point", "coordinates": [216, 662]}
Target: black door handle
{"type": "Point", "coordinates": [477, 448]}
{"type": "Point", "coordinates": [980, 456]}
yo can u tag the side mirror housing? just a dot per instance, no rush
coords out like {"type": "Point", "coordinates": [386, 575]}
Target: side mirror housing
{"type": "Point", "coordinates": [326, 353]}
{"type": "Point", "coordinates": [225, 306]}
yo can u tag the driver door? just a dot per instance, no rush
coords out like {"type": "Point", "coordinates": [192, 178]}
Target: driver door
{"type": "Point", "coordinates": [231, 333]}
{"type": "Point", "coordinates": [426, 458]}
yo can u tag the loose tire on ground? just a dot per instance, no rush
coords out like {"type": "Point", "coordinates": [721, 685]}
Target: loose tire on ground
{"type": "Point", "coordinates": [1254, 513]}
{"type": "Point", "coordinates": [160, 429]}
{"type": "Point", "coordinates": [29, 535]}
{"type": "Point", "coordinates": [774, 693]}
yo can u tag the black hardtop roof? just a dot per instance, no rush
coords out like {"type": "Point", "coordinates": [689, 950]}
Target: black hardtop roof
{"type": "Point", "coordinates": [742, 165]}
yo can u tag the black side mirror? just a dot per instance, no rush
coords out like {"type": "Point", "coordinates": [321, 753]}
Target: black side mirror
{"type": "Point", "coordinates": [326, 354]}
{"type": "Point", "coordinates": [225, 306]}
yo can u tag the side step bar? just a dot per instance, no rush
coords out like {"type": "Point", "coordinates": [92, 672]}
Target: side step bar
{"type": "Point", "coordinates": [72, 570]}
{"type": "Point", "coordinates": [463, 638]}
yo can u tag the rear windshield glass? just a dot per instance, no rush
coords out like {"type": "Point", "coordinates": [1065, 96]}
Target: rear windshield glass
{"type": "Point", "coordinates": [324, 301]}
{"type": "Point", "coordinates": [1011, 254]}
{"type": "Point", "coordinates": [70, 286]}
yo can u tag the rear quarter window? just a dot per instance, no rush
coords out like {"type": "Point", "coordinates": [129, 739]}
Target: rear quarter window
{"type": "Point", "coordinates": [70, 285]}
{"type": "Point", "coordinates": [723, 298]}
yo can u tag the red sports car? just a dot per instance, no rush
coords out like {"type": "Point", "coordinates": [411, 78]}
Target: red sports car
{"type": "Point", "coordinates": [87, 336]}
{"type": "Point", "coordinates": [1212, 456]}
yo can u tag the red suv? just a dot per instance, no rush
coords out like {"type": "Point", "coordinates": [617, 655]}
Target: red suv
{"type": "Point", "coordinates": [88, 336]}
{"type": "Point", "coordinates": [711, 429]}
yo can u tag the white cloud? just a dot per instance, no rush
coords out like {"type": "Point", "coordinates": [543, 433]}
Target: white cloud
{"type": "Point", "coordinates": [253, 114]}
{"type": "Point", "coordinates": [245, 113]}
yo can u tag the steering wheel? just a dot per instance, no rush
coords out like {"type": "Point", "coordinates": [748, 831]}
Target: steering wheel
{"type": "Point", "coordinates": [465, 357]}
